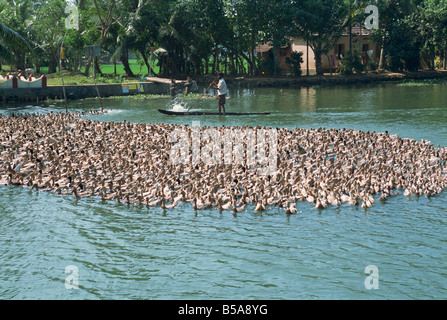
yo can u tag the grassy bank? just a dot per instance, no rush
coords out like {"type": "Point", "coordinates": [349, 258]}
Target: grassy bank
{"type": "Point", "coordinates": [76, 78]}
{"type": "Point", "coordinates": [420, 78]}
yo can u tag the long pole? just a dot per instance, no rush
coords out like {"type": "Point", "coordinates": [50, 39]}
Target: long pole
{"type": "Point", "coordinates": [62, 75]}
{"type": "Point", "coordinates": [199, 98]}
{"type": "Point", "coordinates": [350, 26]}
{"type": "Point", "coordinates": [307, 57]}
{"type": "Point", "coordinates": [94, 77]}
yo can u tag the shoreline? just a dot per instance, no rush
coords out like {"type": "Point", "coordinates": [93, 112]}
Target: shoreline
{"type": "Point", "coordinates": [335, 79]}
{"type": "Point", "coordinates": [161, 86]}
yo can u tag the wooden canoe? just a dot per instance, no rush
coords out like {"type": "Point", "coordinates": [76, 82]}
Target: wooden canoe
{"type": "Point", "coordinates": [203, 113]}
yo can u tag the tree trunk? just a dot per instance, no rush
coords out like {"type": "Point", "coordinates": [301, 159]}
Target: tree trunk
{"type": "Point", "coordinates": [244, 71]}
{"type": "Point", "coordinates": [214, 61]}
{"type": "Point", "coordinates": [252, 54]}
{"type": "Point", "coordinates": [330, 63]}
{"type": "Point", "coordinates": [195, 66]}
{"type": "Point", "coordinates": [226, 63]}
{"type": "Point", "coordinates": [124, 58]}
{"type": "Point", "coordinates": [87, 67]}
{"type": "Point", "coordinates": [381, 60]}
{"type": "Point", "coordinates": [237, 67]}
{"type": "Point", "coordinates": [433, 55]}
{"type": "Point", "coordinates": [318, 63]}
{"type": "Point", "coordinates": [52, 65]}
{"type": "Point", "coordinates": [307, 58]}
{"type": "Point", "coordinates": [97, 67]}
{"type": "Point", "coordinates": [20, 61]}
{"type": "Point", "coordinates": [232, 66]}
{"type": "Point", "coordinates": [146, 62]}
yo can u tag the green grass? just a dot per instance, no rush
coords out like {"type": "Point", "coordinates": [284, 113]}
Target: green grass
{"type": "Point", "coordinates": [76, 78]}
{"type": "Point", "coordinates": [5, 69]}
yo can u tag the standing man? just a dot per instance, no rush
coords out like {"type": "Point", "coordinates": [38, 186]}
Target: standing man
{"type": "Point", "coordinates": [222, 92]}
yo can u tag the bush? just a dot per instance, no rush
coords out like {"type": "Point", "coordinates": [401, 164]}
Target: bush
{"type": "Point", "coordinates": [345, 68]}
{"type": "Point", "coordinates": [351, 63]}
{"type": "Point", "coordinates": [266, 65]}
{"type": "Point", "coordinates": [394, 63]}
{"type": "Point", "coordinates": [371, 66]}
{"type": "Point", "coordinates": [401, 46]}
{"type": "Point", "coordinates": [294, 62]}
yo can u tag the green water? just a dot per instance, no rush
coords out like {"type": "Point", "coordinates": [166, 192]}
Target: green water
{"type": "Point", "coordinates": [131, 252]}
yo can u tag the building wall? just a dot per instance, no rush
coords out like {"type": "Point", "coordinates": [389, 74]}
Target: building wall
{"type": "Point", "coordinates": [283, 54]}
{"type": "Point", "coordinates": [308, 55]}
{"type": "Point", "coordinates": [336, 54]}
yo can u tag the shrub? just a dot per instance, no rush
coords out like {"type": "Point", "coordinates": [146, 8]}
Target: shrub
{"type": "Point", "coordinates": [351, 63]}
{"type": "Point", "coordinates": [371, 66]}
{"type": "Point", "coordinates": [266, 65]}
{"type": "Point", "coordinates": [294, 62]}
{"type": "Point", "coordinates": [394, 63]}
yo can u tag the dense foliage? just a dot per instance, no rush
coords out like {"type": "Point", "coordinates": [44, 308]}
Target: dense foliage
{"type": "Point", "coordinates": [204, 36]}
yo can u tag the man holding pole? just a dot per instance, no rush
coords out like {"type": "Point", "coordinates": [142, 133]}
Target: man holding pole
{"type": "Point", "coordinates": [222, 92]}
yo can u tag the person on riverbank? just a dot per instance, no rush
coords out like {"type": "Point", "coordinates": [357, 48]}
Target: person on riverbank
{"type": "Point", "coordinates": [20, 75]}
{"type": "Point", "coordinates": [222, 92]}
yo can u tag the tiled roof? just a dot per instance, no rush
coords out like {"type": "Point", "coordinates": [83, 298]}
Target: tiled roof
{"type": "Point", "coordinates": [264, 47]}
{"type": "Point", "coordinates": [356, 29]}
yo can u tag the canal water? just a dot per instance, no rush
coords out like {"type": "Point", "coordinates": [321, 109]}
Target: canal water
{"type": "Point", "coordinates": [49, 243]}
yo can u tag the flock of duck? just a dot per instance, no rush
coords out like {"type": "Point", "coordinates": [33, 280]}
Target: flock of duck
{"type": "Point", "coordinates": [129, 163]}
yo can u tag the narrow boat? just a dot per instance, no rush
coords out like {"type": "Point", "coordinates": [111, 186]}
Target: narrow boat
{"type": "Point", "coordinates": [203, 113]}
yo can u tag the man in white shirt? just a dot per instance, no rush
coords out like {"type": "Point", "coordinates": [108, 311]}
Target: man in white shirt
{"type": "Point", "coordinates": [222, 92]}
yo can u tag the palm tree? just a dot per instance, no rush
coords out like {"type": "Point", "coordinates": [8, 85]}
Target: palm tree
{"type": "Point", "coordinates": [9, 40]}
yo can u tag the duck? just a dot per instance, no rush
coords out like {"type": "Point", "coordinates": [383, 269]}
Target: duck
{"type": "Point", "coordinates": [260, 205]}
{"type": "Point", "coordinates": [75, 193]}
{"type": "Point", "coordinates": [319, 204]}
{"type": "Point", "coordinates": [166, 206]}
{"type": "Point", "coordinates": [291, 209]}
{"type": "Point", "coordinates": [198, 205]}
{"type": "Point", "coordinates": [235, 208]}
{"type": "Point", "coordinates": [326, 167]}
{"type": "Point", "coordinates": [225, 206]}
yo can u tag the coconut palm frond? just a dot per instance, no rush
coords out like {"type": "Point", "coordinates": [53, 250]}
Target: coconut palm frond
{"type": "Point", "coordinates": [12, 37]}
{"type": "Point", "coordinates": [2, 5]}
{"type": "Point", "coordinates": [5, 54]}
{"type": "Point", "coordinates": [120, 46]}
{"type": "Point", "coordinates": [115, 56]}
{"type": "Point", "coordinates": [168, 31]}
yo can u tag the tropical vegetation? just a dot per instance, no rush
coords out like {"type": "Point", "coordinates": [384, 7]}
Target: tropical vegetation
{"type": "Point", "coordinates": [199, 37]}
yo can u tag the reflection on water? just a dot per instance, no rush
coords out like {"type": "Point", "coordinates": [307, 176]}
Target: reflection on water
{"type": "Point", "coordinates": [132, 252]}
